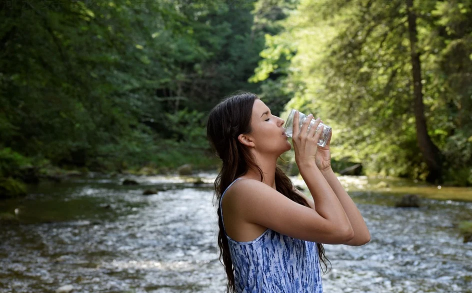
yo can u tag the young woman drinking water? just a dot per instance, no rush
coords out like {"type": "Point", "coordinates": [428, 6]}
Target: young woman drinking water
{"type": "Point", "coordinates": [271, 234]}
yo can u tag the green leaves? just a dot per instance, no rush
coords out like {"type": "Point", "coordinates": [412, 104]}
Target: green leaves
{"type": "Point", "coordinates": [80, 80]}
{"type": "Point", "coordinates": [187, 126]}
{"type": "Point", "coordinates": [353, 58]}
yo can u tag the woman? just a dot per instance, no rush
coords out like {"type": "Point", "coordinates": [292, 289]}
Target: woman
{"type": "Point", "coordinates": [270, 233]}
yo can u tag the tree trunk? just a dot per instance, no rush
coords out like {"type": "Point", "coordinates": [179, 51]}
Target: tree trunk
{"type": "Point", "coordinates": [430, 151]}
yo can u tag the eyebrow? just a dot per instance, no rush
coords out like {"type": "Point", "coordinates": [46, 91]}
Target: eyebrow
{"type": "Point", "coordinates": [265, 113]}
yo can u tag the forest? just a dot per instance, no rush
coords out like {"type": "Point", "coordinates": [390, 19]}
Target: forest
{"type": "Point", "coordinates": [125, 86]}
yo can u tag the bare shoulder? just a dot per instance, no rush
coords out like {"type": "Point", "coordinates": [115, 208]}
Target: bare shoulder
{"type": "Point", "coordinates": [248, 196]}
{"type": "Point", "coordinates": [243, 190]}
{"type": "Point", "coordinates": [248, 193]}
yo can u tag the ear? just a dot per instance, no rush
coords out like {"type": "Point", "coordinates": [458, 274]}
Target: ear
{"type": "Point", "coordinates": [246, 140]}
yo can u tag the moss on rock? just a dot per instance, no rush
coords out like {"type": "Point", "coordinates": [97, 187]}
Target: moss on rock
{"type": "Point", "coordinates": [11, 188]}
{"type": "Point", "coordinates": [8, 218]}
{"type": "Point", "coordinates": [465, 229]}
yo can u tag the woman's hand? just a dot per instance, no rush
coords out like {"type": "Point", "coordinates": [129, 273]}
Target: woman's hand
{"type": "Point", "coordinates": [305, 142]}
{"type": "Point", "coordinates": [323, 155]}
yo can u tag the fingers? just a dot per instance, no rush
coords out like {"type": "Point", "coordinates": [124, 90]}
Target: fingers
{"type": "Point", "coordinates": [304, 138]}
{"type": "Point", "coordinates": [318, 131]}
{"type": "Point", "coordinates": [306, 123]}
{"type": "Point", "coordinates": [296, 124]}
{"type": "Point", "coordinates": [314, 128]}
{"type": "Point", "coordinates": [310, 129]}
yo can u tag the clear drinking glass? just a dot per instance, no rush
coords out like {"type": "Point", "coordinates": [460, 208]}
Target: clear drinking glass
{"type": "Point", "coordinates": [302, 117]}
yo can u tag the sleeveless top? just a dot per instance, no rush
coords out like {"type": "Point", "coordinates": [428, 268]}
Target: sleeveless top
{"type": "Point", "coordinates": [274, 263]}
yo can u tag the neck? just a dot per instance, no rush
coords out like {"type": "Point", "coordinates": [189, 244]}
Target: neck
{"type": "Point", "coordinates": [268, 166]}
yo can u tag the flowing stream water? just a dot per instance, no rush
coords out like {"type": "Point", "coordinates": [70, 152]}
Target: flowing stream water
{"type": "Point", "coordinates": [100, 236]}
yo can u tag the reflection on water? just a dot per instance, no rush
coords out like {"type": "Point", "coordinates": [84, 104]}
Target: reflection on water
{"type": "Point", "coordinates": [99, 236]}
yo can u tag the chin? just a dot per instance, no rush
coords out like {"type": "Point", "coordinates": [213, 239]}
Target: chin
{"type": "Point", "coordinates": [287, 147]}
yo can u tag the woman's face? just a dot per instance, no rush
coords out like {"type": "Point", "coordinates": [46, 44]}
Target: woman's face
{"type": "Point", "coordinates": [267, 132]}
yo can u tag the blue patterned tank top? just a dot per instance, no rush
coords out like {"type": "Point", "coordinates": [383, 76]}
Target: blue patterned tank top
{"type": "Point", "coordinates": [274, 263]}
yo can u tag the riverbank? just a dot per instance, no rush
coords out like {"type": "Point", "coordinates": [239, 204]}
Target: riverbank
{"type": "Point", "coordinates": [401, 186]}
{"type": "Point", "coordinates": [18, 171]}
{"type": "Point", "coordinates": [178, 160]}
{"type": "Point", "coordinates": [380, 184]}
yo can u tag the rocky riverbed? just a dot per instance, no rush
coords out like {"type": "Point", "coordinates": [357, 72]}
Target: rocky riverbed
{"type": "Point", "coordinates": [97, 235]}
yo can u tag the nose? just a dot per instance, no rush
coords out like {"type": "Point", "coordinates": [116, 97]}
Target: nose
{"type": "Point", "coordinates": [281, 121]}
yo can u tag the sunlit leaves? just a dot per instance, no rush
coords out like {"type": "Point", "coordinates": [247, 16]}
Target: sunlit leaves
{"type": "Point", "coordinates": [354, 58]}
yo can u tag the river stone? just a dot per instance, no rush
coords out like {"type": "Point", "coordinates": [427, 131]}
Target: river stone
{"type": "Point", "coordinates": [468, 238]}
{"type": "Point", "coordinates": [409, 201]}
{"type": "Point", "coordinates": [63, 258]}
{"type": "Point", "coordinates": [354, 170]}
{"type": "Point", "coordinates": [149, 192]}
{"type": "Point", "coordinates": [11, 188]}
{"type": "Point", "coordinates": [130, 182]}
{"type": "Point", "coordinates": [65, 289]}
{"type": "Point", "coordinates": [466, 230]}
{"type": "Point", "coordinates": [185, 169]}
{"type": "Point", "coordinates": [198, 181]}
{"type": "Point", "coordinates": [74, 173]}
{"type": "Point", "coordinates": [148, 171]}
{"type": "Point", "coordinates": [381, 184]}
{"type": "Point", "coordinates": [7, 218]}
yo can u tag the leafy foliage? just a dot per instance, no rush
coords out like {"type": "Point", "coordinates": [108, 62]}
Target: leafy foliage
{"type": "Point", "coordinates": [101, 84]}
{"type": "Point", "coordinates": [353, 58]}
{"type": "Point", "coordinates": [115, 85]}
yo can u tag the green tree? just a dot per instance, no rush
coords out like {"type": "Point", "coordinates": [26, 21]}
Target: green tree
{"type": "Point", "coordinates": [274, 70]}
{"type": "Point", "coordinates": [92, 83]}
{"type": "Point", "coordinates": [357, 59]}
{"type": "Point", "coordinates": [430, 151]}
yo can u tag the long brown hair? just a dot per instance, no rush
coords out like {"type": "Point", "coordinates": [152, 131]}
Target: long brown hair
{"type": "Point", "coordinates": [226, 121]}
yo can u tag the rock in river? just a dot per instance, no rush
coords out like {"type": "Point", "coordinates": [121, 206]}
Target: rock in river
{"type": "Point", "coordinates": [409, 201]}
{"type": "Point", "coordinates": [149, 192]}
{"type": "Point", "coordinates": [129, 182]}
{"type": "Point", "coordinates": [466, 230]}
{"type": "Point", "coordinates": [185, 169]}
{"type": "Point", "coordinates": [382, 184]}
{"type": "Point", "coordinates": [65, 289]}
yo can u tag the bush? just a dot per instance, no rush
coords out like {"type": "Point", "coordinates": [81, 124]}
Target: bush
{"type": "Point", "coordinates": [188, 126]}
{"type": "Point", "coordinates": [458, 176]}
{"type": "Point", "coordinates": [11, 188]}
{"type": "Point", "coordinates": [12, 162]}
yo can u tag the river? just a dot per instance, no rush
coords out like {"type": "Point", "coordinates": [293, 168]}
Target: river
{"type": "Point", "coordinates": [100, 236]}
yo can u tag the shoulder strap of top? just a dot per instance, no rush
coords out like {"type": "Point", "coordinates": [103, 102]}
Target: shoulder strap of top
{"type": "Point", "coordinates": [221, 200]}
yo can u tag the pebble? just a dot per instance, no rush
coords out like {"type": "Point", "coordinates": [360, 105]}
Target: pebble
{"type": "Point", "coordinates": [65, 289]}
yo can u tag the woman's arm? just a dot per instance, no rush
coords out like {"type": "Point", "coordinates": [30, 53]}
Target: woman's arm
{"type": "Point", "coordinates": [361, 232]}
{"type": "Point", "coordinates": [323, 161]}
{"type": "Point", "coordinates": [327, 205]}
{"type": "Point", "coordinates": [257, 203]}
